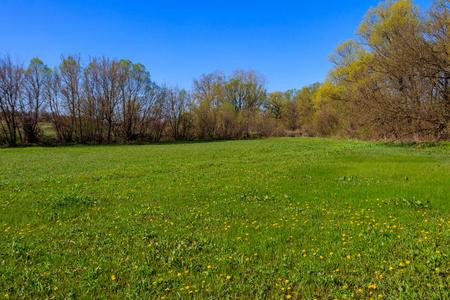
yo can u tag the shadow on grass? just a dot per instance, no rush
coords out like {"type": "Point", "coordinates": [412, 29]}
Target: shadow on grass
{"type": "Point", "coordinates": [135, 143]}
{"type": "Point", "coordinates": [419, 145]}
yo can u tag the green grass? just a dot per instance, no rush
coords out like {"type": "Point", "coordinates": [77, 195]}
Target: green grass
{"type": "Point", "coordinates": [259, 219]}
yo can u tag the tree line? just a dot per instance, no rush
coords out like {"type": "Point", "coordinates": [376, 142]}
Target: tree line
{"type": "Point", "coordinates": [391, 82]}
{"type": "Point", "coordinates": [115, 101]}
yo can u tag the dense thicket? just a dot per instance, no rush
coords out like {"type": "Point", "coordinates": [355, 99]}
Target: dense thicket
{"type": "Point", "coordinates": [391, 82]}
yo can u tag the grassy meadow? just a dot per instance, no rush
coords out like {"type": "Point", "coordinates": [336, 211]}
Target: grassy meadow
{"type": "Point", "coordinates": [287, 218]}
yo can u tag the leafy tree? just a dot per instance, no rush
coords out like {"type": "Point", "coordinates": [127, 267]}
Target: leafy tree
{"type": "Point", "coordinates": [276, 104]}
{"type": "Point", "coordinates": [33, 102]}
{"type": "Point", "coordinates": [133, 84]}
{"type": "Point", "coordinates": [208, 96]}
{"type": "Point", "coordinates": [245, 90]}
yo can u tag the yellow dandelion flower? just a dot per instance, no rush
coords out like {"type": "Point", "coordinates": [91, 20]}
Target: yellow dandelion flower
{"type": "Point", "coordinates": [113, 277]}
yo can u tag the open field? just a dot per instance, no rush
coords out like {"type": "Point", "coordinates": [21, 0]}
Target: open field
{"type": "Point", "coordinates": [259, 219]}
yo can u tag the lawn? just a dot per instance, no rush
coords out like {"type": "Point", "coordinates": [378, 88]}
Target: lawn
{"type": "Point", "coordinates": [286, 218]}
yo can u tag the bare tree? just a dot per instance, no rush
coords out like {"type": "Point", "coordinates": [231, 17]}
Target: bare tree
{"type": "Point", "coordinates": [151, 120]}
{"type": "Point", "coordinates": [11, 92]}
{"type": "Point", "coordinates": [70, 72]}
{"type": "Point", "coordinates": [110, 82]}
{"type": "Point", "coordinates": [177, 103]}
{"type": "Point", "coordinates": [92, 97]}
{"type": "Point", "coordinates": [60, 117]}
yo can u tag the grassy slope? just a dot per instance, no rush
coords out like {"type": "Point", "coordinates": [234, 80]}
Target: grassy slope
{"type": "Point", "coordinates": [300, 218]}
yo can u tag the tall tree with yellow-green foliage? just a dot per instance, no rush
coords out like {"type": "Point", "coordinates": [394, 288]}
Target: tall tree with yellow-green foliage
{"type": "Point", "coordinates": [393, 80]}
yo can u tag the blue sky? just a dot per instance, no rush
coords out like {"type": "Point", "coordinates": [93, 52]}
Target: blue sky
{"type": "Point", "coordinates": [287, 41]}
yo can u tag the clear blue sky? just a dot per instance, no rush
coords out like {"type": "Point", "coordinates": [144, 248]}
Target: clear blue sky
{"type": "Point", "coordinates": [287, 41]}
